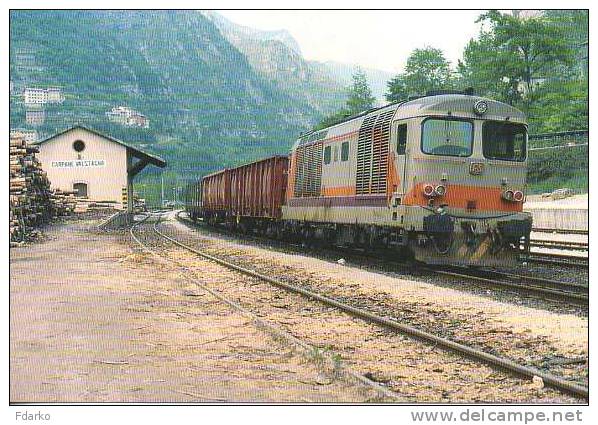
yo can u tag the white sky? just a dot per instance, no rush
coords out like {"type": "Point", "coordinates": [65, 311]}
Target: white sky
{"type": "Point", "coordinates": [373, 39]}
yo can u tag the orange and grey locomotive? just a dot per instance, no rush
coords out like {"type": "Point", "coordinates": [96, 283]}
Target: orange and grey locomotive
{"type": "Point", "coordinates": [439, 178]}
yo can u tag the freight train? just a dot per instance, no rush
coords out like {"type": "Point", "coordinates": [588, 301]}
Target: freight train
{"type": "Point", "coordinates": [439, 179]}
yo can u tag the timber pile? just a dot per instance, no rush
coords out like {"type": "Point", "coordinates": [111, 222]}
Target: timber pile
{"type": "Point", "coordinates": [63, 203]}
{"type": "Point", "coordinates": [84, 205]}
{"type": "Point", "coordinates": [29, 192]}
{"type": "Point", "coordinates": [67, 203]}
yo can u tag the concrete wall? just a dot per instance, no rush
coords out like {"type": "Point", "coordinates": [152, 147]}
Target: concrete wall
{"type": "Point", "coordinates": [105, 177]}
{"type": "Point", "coordinates": [567, 214]}
{"type": "Point", "coordinates": [563, 219]}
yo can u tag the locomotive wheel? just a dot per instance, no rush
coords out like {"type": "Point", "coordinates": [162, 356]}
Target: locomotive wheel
{"type": "Point", "coordinates": [442, 243]}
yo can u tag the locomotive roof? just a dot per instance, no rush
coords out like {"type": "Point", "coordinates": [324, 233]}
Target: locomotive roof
{"type": "Point", "coordinates": [459, 105]}
{"type": "Point", "coordinates": [440, 104]}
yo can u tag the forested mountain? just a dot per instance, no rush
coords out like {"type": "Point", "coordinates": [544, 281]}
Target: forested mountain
{"type": "Point", "coordinates": [208, 105]}
{"type": "Point", "coordinates": [276, 56]}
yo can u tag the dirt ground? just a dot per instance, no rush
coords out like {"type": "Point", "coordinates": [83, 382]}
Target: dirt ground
{"type": "Point", "coordinates": [91, 320]}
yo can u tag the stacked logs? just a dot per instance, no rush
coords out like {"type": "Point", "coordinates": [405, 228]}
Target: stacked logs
{"type": "Point", "coordinates": [64, 203]}
{"type": "Point", "coordinates": [30, 204]}
{"type": "Point", "coordinates": [84, 205]}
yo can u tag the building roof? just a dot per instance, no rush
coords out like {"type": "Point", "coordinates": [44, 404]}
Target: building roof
{"type": "Point", "coordinates": [138, 153]}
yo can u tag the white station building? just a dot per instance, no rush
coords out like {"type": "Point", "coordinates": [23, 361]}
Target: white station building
{"type": "Point", "coordinates": [93, 164]}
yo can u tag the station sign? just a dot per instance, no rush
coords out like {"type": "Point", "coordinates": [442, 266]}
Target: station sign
{"type": "Point", "coordinates": [79, 163]}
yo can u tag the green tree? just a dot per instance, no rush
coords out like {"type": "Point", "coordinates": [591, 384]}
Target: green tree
{"type": "Point", "coordinates": [559, 106]}
{"type": "Point", "coordinates": [514, 55]}
{"type": "Point", "coordinates": [489, 71]}
{"type": "Point", "coordinates": [360, 95]}
{"type": "Point", "coordinates": [574, 25]}
{"type": "Point", "coordinates": [426, 69]}
{"type": "Point", "coordinates": [359, 99]}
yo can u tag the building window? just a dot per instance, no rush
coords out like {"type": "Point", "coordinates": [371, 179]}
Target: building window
{"type": "Point", "coordinates": [79, 145]}
{"type": "Point", "coordinates": [327, 155]}
{"type": "Point", "coordinates": [81, 189]}
{"type": "Point", "coordinates": [345, 151]}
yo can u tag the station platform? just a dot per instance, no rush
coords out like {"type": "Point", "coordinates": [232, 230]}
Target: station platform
{"type": "Point", "coordinates": [563, 214]}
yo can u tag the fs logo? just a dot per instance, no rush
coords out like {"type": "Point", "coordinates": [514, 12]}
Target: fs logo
{"type": "Point", "coordinates": [476, 168]}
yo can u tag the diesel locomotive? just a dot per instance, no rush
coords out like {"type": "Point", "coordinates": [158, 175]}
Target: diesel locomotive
{"type": "Point", "coordinates": [440, 179]}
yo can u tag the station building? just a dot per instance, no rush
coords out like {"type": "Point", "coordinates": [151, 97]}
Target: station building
{"type": "Point", "coordinates": [94, 165]}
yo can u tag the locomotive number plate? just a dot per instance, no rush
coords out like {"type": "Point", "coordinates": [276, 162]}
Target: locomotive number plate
{"type": "Point", "coordinates": [476, 168]}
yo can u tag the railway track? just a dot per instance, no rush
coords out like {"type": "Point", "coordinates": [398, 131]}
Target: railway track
{"type": "Point", "coordinates": [563, 258]}
{"type": "Point", "coordinates": [563, 291]}
{"type": "Point", "coordinates": [277, 332]}
{"type": "Point", "coordinates": [561, 252]}
{"type": "Point", "coordinates": [556, 259]}
{"type": "Point", "coordinates": [572, 293]}
{"type": "Point", "coordinates": [492, 360]}
{"type": "Point", "coordinates": [562, 245]}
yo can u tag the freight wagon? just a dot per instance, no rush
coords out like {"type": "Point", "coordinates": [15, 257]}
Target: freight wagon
{"type": "Point", "coordinates": [249, 196]}
{"type": "Point", "coordinates": [193, 200]}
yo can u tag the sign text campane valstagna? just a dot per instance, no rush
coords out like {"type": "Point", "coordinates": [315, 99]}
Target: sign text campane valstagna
{"type": "Point", "coordinates": [79, 163]}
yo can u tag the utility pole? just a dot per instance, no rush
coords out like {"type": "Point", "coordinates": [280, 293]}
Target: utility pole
{"type": "Point", "coordinates": [162, 190]}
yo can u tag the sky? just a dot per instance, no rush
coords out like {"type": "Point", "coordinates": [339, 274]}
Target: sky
{"type": "Point", "coordinates": [374, 39]}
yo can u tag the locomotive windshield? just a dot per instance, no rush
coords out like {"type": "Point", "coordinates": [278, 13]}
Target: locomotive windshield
{"type": "Point", "coordinates": [448, 137]}
{"type": "Point", "coordinates": [504, 140]}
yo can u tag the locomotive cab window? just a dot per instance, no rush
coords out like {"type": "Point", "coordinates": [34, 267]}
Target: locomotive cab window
{"type": "Point", "coordinates": [504, 140]}
{"type": "Point", "coordinates": [401, 139]}
{"type": "Point", "coordinates": [327, 155]}
{"type": "Point", "coordinates": [345, 151]}
{"type": "Point", "coordinates": [448, 137]}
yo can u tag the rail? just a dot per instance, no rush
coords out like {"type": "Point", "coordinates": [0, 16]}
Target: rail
{"type": "Point", "coordinates": [552, 289]}
{"type": "Point", "coordinates": [467, 351]}
{"type": "Point", "coordinates": [569, 292]}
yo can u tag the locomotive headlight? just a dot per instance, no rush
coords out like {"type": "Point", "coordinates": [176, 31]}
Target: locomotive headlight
{"type": "Point", "coordinates": [440, 190]}
{"type": "Point", "coordinates": [508, 195]}
{"type": "Point", "coordinates": [428, 190]}
{"type": "Point", "coordinates": [518, 196]}
{"type": "Point", "coordinates": [480, 107]}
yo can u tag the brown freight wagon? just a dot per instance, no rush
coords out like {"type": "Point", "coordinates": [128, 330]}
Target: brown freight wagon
{"type": "Point", "coordinates": [255, 190]}
{"type": "Point", "coordinates": [216, 193]}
